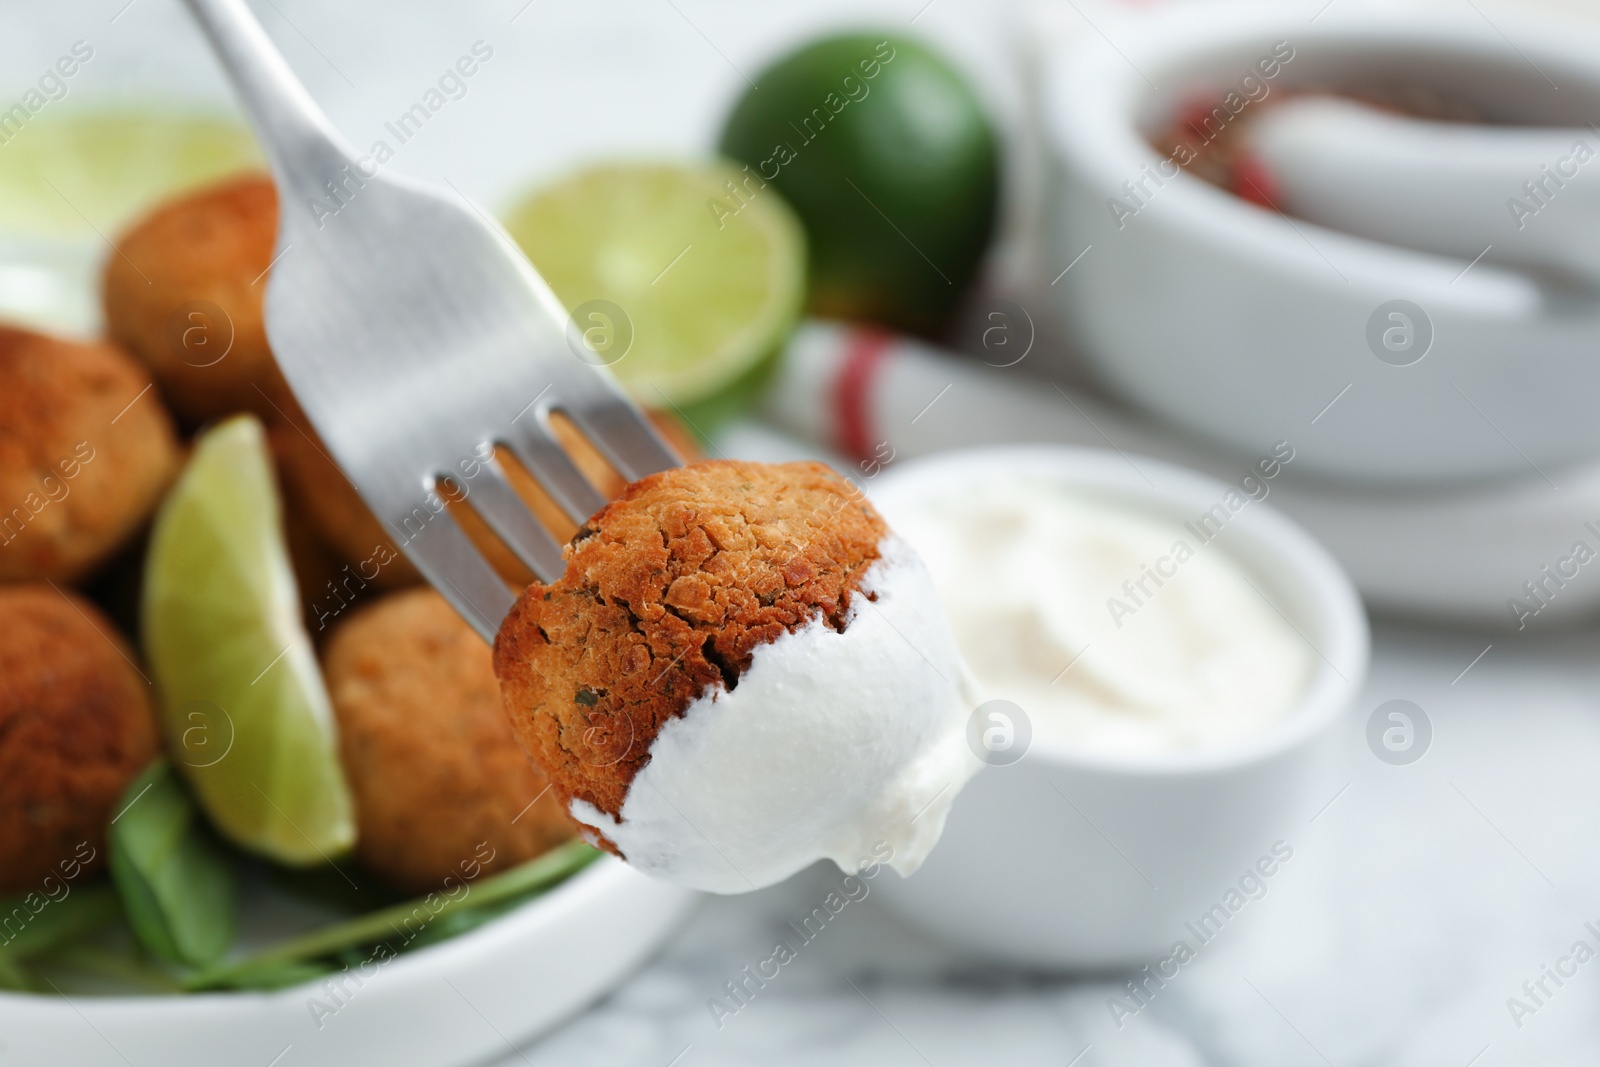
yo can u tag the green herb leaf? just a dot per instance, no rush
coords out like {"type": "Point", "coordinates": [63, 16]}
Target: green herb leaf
{"type": "Point", "coordinates": [12, 977]}
{"type": "Point", "coordinates": [33, 923]}
{"type": "Point", "coordinates": [114, 962]}
{"type": "Point", "coordinates": [176, 883]}
{"type": "Point", "coordinates": [405, 925]}
{"type": "Point", "coordinates": [268, 976]}
{"type": "Point", "coordinates": [459, 922]}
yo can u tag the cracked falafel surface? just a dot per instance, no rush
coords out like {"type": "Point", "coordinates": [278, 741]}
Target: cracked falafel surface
{"type": "Point", "coordinates": [667, 593]}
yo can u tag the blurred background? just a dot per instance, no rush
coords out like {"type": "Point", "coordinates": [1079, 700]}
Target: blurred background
{"type": "Point", "coordinates": [1424, 896]}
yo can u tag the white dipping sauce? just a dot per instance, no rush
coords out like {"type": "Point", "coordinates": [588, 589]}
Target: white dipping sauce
{"type": "Point", "coordinates": [1115, 630]}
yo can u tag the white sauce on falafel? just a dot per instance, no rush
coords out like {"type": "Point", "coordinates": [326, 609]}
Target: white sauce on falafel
{"type": "Point", "coordinates": [834, 744]}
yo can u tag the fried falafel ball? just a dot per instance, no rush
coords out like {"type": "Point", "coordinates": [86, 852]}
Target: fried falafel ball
{"type": "Point", "coordinates": [76, 726]}
{"type": "Point", "coordinates": [741, 670]}
{"type": "Point", "coordinates": [86, 451]}
{"type": "Point", "coordinates": [438, 777]}
{"type": "Point", "coordinates": [184, 295]}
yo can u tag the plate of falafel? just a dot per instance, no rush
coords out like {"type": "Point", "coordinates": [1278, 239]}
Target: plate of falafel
{"type": "Point", "coordinates": [256, 785]}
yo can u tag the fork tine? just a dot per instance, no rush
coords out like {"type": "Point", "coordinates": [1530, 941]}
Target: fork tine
{"type": "Point", "coordinates": [494, 499]}
{"type": "Point", "coordinates": [453, 565]}
{"type": "Point", "coordinates": [628, 440]}
{"type": "Point", "coordinates": [422, 292]}
{"type": "Point", "coordinates": [555, 472]}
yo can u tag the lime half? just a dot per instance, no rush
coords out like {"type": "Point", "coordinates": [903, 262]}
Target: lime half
{"type": "Point", "coordinates": [244, 708]}
{"type": "Point", "coordinates": [72, 173]}
{"type": "Point", "coordinates": [681, 279]}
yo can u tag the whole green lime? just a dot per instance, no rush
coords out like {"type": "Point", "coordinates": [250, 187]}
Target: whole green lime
{"type": "Point", "coordinates": [885, 152]}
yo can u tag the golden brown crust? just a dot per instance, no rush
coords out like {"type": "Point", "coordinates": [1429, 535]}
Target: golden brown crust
{"type": "Point", "coordinates": [76, 726]}
{"type": "Point", "coordinates": [84, 457]}
{"type": "Point", "coordinates": [438, 777]}
{"type": "Point", "coordinates": [206, 248]}
{"type": "Point", "coordinates": [668, 591]}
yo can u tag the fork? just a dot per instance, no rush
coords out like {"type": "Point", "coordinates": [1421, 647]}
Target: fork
{"type": "Point", "coordinates": [417, 338]}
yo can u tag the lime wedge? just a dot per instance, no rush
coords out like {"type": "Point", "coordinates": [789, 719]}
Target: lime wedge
{"type": "Point", "coordinates": [681, 279]}
{"type": "Point", "coordinates": [105, 166]}
{"type": "Point", "coordinates": [244, 708]}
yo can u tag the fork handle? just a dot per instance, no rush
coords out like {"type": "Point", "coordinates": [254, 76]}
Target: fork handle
{"type": "Point", "coordinates": [302, 146]}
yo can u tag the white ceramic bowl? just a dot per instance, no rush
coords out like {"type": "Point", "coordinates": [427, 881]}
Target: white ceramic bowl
{"type": "Point", "coordinates": [1071, 860]}
{"type": "Point", "coordinates": [1245, 326]}
{"type": "Point", "coordinates": [458, 1002]}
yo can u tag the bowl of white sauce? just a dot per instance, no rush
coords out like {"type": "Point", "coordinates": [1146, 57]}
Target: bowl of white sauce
{"type": "Point", "coordinates": [1162, 662]}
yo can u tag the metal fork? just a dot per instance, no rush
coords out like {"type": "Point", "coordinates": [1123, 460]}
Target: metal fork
{"type": "Point", "coordinates": [416, 337]}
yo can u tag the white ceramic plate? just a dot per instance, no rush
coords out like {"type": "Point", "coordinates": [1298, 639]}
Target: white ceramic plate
{"type": "Point", "coordinates": [462, 1001]}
